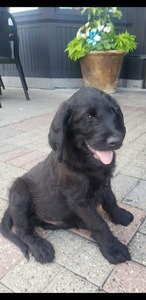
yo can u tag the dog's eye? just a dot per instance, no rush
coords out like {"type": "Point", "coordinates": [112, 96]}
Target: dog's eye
{"type": "Point", "coordinates": [89, 116]}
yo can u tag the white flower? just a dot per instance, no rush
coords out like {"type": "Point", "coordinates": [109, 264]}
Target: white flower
{"type": "Point", "coordinates": [83, 35]}
{"type": "Point", "coordinates": [107, 29]}
{"type": "Point", "coordinates": [100, 27]}
{"type": "Point", "coordinates": [87, 32]}
{"type": "Point", "coordinates": [97, 37]}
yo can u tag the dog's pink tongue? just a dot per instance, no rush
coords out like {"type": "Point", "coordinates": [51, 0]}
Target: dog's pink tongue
{"type": "Point", "coordinates": [105, 156]}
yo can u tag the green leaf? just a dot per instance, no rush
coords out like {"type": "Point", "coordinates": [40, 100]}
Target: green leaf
{"type": "Point", "coordinates": [125, 41]}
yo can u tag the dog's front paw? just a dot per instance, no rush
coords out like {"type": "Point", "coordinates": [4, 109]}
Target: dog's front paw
{"type": "Point", "coordinates": [115, 252]}
{"type": "Point", "coordinates": [43, 252]}
{"type": "Point", "coordinates": [121, 216]}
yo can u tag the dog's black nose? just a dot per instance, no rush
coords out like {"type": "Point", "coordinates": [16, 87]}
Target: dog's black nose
{"type": "Point", "coordinates": [114, 141]}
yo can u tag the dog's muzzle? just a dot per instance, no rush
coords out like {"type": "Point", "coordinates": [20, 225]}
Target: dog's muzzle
{"type": "Point", "coordinates": [105, 157]}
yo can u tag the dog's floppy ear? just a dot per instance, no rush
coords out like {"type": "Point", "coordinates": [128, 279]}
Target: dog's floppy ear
{"type": "Point", "coordinates": [58, 129]}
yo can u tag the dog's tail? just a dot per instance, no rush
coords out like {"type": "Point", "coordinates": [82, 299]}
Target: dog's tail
{"type": "Point", "coordinates": [6, 230]}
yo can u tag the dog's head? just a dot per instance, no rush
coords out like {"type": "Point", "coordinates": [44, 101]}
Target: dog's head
{"type": "Point", "coordinates": [92, 122]}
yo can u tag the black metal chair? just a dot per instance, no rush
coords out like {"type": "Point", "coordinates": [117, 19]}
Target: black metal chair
{"type": "Point", "coordinates": [9, 48]}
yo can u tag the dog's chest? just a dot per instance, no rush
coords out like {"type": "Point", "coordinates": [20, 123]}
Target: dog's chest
{"type": "Point", "coordinates": [95, 187]}
{"type": "Point", "coordinates": [99, 176]}
{"type": "Point", "coordinates": [96, 183]}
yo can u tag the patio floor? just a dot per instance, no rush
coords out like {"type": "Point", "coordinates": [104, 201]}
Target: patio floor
{"type": "Point", "coordinates": [79, 266]}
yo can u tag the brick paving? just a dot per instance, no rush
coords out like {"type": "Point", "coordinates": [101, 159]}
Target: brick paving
{"type": "Point", "coordinates": [79, 266]}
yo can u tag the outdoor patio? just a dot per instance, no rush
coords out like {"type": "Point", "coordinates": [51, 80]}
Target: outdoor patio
{"type": "Point", "coordinates": [79, 266]}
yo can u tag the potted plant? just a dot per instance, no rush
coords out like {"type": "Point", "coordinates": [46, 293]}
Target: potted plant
{"type": "Point", "coordinates": [99, 49]}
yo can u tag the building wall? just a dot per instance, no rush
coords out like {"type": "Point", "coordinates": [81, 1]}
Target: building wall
{"type": "Point", "coordinates": [44, 35]}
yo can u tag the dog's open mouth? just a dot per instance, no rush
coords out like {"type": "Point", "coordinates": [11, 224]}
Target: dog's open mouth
{"type": "Point", "coordinates": [105, 157]}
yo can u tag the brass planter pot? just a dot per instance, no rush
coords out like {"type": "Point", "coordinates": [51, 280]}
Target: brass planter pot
{"type": "Point", "coordinates": [101, 69]}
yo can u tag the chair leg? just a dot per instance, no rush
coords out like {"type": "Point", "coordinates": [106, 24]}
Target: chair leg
{"type": "Point", "coordinates": [19, 63]}
{"type": "Point", "coordinates": [23, 81]}
{"type": "Point", "coordinates": [0, 94]}
{"type": "Point", "coordinates": [1, 83]}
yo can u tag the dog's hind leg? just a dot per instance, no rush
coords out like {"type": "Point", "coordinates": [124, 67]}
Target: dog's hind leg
{"type": "Point", "coordinates": [21, 210]}
{"type": "Point", "coordinates": [6, 230]}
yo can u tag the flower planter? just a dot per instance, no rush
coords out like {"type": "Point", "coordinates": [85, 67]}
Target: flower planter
{"type": "Point", "coordinates": [101, 69]}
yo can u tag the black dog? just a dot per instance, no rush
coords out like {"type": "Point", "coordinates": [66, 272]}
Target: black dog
{"type": "Point", "coordinates": [75, 177]}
